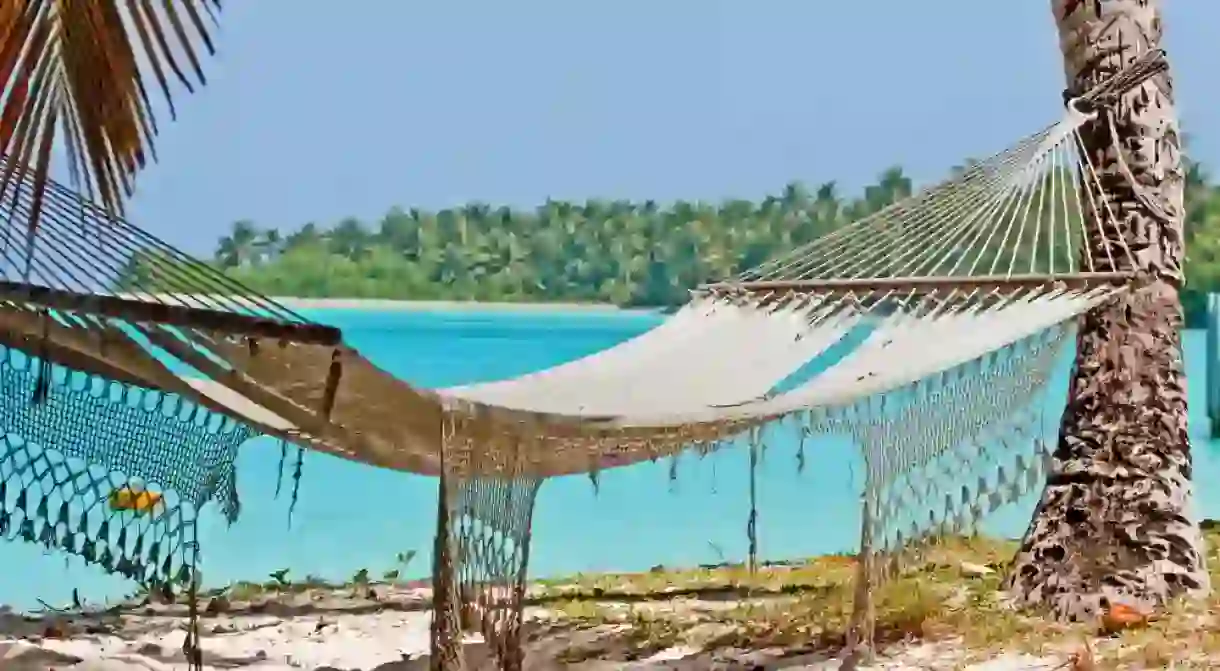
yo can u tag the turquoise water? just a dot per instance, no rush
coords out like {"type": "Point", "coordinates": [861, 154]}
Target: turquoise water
{"type": "Point", "coordinates": [350, 516]}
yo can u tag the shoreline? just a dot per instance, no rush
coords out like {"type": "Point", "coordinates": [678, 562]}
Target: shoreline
{"type": "Point", "coordinates": [400, 305]}
{"type": "Point", "coordinates": [395, 305]}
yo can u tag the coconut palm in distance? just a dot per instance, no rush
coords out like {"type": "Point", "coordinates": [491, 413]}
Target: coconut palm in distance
{"type": "Point", "coordinates": [80, 72]}
{"type": "Point", "coordinates": [1112, 523]}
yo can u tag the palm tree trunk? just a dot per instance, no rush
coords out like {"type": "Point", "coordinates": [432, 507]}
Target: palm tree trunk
{"type": "Point", "coordinates": [1112, 524]}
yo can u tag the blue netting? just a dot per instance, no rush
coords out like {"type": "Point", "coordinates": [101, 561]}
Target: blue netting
{"type": "Point", "coordinates": [62, 457]}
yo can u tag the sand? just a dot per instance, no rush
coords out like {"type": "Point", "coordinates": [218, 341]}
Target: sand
{"type": "Point", "coordinates": [377, 628]}
{"type": "Point", "coordinates": [261, 643]}
{"type": "Point", "coordinates": [343, 629]}
{"type": "Point", "coordinates": [388, 305]}
{"type": "Point", "coordinates": [399, 643]}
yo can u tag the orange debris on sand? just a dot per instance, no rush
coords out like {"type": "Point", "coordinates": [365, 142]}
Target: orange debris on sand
{"type": "Point", "coordinates": [1118, 617]}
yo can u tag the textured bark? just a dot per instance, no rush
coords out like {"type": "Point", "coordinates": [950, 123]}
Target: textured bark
{"type": "Point", "coordinates": [1112, 524]}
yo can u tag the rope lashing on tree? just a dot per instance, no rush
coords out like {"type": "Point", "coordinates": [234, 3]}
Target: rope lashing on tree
{"type": "Point", "coordinates": [1108, 93]}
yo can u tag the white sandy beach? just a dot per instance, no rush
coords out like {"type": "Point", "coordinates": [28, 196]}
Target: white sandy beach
{"type": "Point", "coordinates": [389, 641]}
{"type": "Point", "coordinates": [387, 305]}
{"type": "Point", "coordinates": [264, 643]}
{"type": "Point", "coordinates": [383, 628]}
{"type": "Point", "coordinates": [451, 306]}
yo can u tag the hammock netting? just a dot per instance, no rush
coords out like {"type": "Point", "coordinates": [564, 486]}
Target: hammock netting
{"type": "Point", "coordinates": [71, 440]}
{"type": "Point", "coordinates": [62, 455]}
{"type": "Point", "coordinates": [958, 446]}
{"type": "Point", "coordinates": [482, 551]}
{"type": "Point", "coordinates": [127, 361]}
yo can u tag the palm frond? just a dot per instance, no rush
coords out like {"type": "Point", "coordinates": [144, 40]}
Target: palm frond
{"type": "Point", "coordinates": [78, 71]}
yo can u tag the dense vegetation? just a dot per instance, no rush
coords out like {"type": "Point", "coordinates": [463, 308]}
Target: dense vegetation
{"type": "Point", "coordinates": [630, 254]}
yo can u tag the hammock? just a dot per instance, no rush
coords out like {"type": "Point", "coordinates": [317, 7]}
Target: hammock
{"type": "Point", "coordinates": [995, 248]}
{"type": "Point", "coordinates": [969, 289]}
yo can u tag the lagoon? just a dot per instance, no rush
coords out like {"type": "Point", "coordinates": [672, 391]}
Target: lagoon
{"type": "Point", "coordinates": [350, 516]}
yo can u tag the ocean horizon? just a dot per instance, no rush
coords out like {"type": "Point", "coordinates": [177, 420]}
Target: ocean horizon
{"type": "Point", "coordinates": [351, 517]}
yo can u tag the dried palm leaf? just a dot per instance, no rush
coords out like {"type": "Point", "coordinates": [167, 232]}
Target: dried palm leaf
{"type": "Point", "coordinates": [75, 70]}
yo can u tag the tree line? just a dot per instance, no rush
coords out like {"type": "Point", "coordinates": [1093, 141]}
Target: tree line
{"type": "Point", "coordinates": [632, 254]}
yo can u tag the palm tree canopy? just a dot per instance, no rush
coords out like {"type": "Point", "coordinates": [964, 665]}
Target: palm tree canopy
{"type": "Point", "coordinates": [79, 71]}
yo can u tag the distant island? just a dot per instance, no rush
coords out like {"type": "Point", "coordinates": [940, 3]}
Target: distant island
{"type": "Point", "coordinates": [629, 254]}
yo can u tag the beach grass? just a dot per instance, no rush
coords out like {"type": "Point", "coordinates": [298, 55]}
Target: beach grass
{"type": "Point", "coordinates": [951, 596]}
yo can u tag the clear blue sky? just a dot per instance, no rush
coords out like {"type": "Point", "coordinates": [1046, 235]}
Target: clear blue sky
{"type": "Point", "coordinates": [315, 113]}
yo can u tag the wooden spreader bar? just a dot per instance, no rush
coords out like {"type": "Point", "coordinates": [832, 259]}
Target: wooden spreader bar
{"type": "Point", "coordinates": [148, 312]}
{"type": "Point", "coordinates": [925, 284]}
